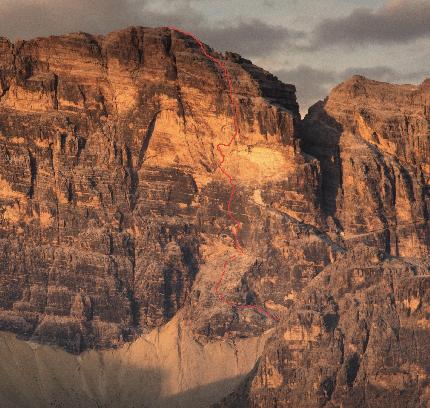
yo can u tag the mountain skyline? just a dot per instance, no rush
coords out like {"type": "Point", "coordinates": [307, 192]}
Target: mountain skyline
{"type": "Point", "coordinates": [311, 44]}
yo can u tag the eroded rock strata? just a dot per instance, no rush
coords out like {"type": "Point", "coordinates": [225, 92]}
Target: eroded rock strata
{"type": "Point", "coordinates": [358, 335]}
{"type": "Point", "coordinates": [113, 228]}
{"type": "Point", "coordinates": [110, 193]}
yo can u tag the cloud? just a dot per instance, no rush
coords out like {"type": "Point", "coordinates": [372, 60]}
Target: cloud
{"type": "Point", "coordinates": [250, 38]}
{"type": "Point", "coordinates": [398, 21]}
{"type": "Point", "coordinates": [313, 84]}
{"type": "Point", "coordinates": [30, 18]}
{"type": "Point", "coordinates": [379, 73]}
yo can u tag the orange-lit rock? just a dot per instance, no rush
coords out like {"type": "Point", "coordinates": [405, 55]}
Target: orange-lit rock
{"type": "Point", "coordinates": [114, 231]}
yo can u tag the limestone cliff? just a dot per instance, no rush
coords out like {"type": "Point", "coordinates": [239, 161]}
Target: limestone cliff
{"type": "Point", "coordinates": [114, 231]}
{"type": "Point", "coordinates": [358, 336]}
{"type": "Point", "coordinates": [111, 202]}
{"type": "Point", "coordinates": [372, 141]}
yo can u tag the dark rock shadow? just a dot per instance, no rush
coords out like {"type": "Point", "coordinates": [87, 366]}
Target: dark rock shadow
{"type": "Point", "coordinates": [202, 396]}
{"type": "Point", "coordinates": [284, 119]}
{"type": "Point", "coordinates": [272, 89]}
{"type": "Point", "coordinates": [320, 138]}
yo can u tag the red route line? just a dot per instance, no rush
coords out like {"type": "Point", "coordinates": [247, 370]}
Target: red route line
{"type": "Point", "coordinates": [237, 224]}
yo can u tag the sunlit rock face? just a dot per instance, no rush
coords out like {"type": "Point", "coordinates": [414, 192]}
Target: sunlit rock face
{"type": "Point", "coordinates": [114, 230]}
{"type": "Point", "coordinates": [113, 209]}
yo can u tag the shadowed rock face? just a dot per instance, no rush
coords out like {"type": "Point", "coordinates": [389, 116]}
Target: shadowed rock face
{"type": "Point", "coordinates": [372, 141]}
{"type": "Point", "coordinates": [113, 225]}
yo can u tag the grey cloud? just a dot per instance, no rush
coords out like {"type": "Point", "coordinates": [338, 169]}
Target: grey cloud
{"type": "Point", "coordinates": [27, 18]}
{"type": "Point", "coordinates": [180, 13]}
{"type": "Point", "coordinates": [312, 84]}
{"type": "Point", "coordinates": [380, 73]}
{"type": "Point", "coordinates": [30, 18]}
{"type": "Point", "coordinates": [399, 21]}
{"type": "Point", "coordinates": [250, 38]}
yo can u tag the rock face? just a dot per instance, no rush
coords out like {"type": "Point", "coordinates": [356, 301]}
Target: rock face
{"type": "Point", "coordinates": [109, 189]}
{"type": "Point", "coordinates": [114, 228]}
{"type": "Point", "coordinates": [358, 336]}
{"type": "Point", "coordinates": [372, 140]}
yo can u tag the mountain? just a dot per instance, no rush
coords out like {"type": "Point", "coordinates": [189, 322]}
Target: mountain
{"type": "Point", "coordinates": [358, 334]}
{"type": "Point", "coordinates": [120, 272]}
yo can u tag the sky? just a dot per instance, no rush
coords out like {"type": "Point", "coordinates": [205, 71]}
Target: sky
{"type": "Point", "coordinates": [311, 44]}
